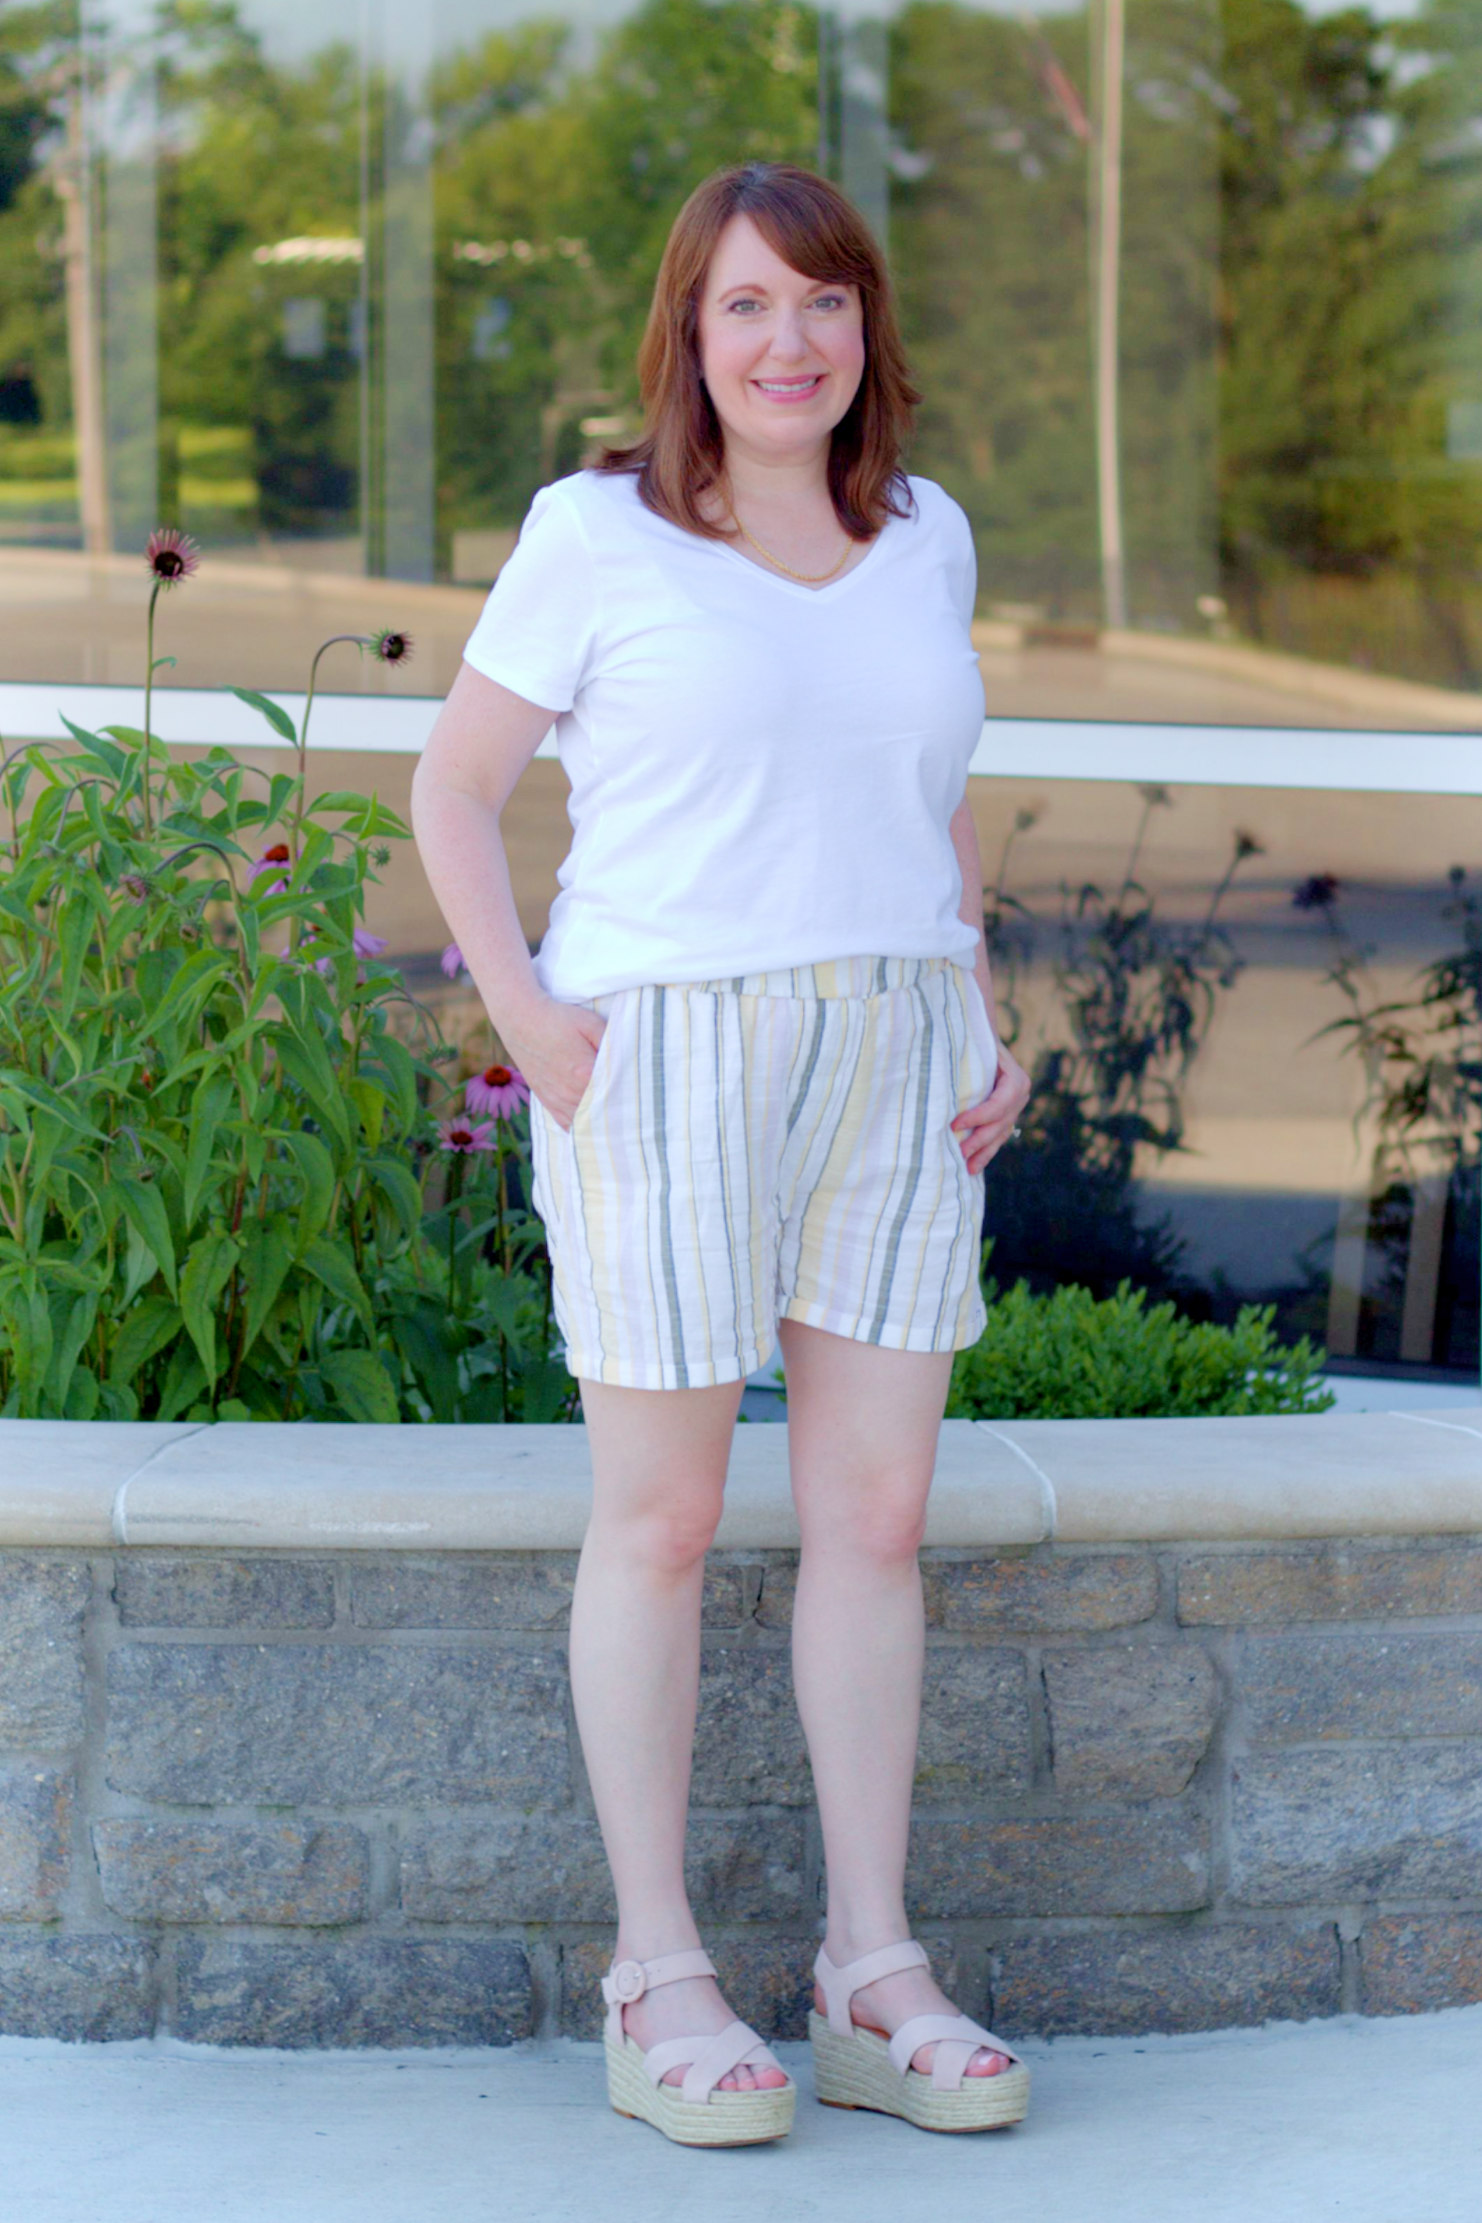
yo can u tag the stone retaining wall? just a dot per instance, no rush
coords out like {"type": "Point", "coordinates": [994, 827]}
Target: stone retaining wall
{"type": "Point", "coordinates": [315, 1798]}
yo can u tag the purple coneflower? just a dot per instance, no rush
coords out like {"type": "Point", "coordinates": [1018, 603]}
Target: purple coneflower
{"type": "Point", "coordinates": [171, 555]}
{"type": "Point", "coordinates": [279, 854]}
{"type": "Point", "coordinates": [463, 1138]}
{"type": "Point", "coordinates": [367, 944]}
{"type": "Point", "coordinates": [392, 648]}
{"type": "Point", "coordinates": [499, 1089]}
{"type": "Point", "coordinates": [452, 961]}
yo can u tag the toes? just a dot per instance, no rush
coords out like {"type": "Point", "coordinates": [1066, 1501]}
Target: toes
{"type": "Point", "coordinates": [988, 2064]}
{"type": "Point", "coordinates": [770, 2080]}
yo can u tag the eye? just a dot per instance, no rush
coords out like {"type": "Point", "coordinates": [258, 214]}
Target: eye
{"type": "Point", "coordinates": [829, 301]}
{"type": "Point", "coordinates": [746, 301]}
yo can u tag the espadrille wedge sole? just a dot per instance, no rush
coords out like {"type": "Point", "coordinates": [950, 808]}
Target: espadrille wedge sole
{"type": "Point", "coordinates": [724, 2119]}
{"type": "Point", "coordinates": [855, 2067]}
{"type": "Point", "coordinates": [857, 2071]}
{"type": "Point", "coordinates": [694, 2112]}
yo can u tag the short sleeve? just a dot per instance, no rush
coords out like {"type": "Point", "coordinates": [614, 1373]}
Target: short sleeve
{"type": "Point", "coordinates": [536, 631]}
{"type": "Point", "coordinates": [963, 564]}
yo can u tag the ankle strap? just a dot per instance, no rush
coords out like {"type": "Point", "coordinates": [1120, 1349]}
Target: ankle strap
{"type": "Point", "coordinates": [840, 1984]}
{"type": "Point", "coordinates": [627, 1981]}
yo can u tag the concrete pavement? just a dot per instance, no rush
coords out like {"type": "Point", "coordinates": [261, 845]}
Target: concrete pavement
{"type": "Point", "coordinates": [1364, 2121]}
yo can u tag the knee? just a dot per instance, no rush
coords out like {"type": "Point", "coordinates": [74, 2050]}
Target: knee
{"type": "Point", "coordinates": [882, 1521]}
{"type": "Point", "coordinates": [666, 1538]}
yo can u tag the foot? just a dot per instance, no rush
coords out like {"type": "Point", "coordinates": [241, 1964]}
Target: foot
{"type": "Point", "coordinates": [884, 2006]}
{"type": "Point", "coordinates": [693, 2008]}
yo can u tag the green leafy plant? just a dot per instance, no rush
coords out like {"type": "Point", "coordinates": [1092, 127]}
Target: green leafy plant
{"type": "Point", "coordinates": [221, 1191]}
{"type": "Point", "coordinates": [1073, 1356]}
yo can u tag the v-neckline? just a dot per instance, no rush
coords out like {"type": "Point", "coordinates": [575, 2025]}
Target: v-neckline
{"type": "Point", "coordinates": [793, 586]}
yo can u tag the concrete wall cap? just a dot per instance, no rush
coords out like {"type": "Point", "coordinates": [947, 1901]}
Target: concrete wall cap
{"type": "Point", "coordinates": [61, 1480]}
{"type": "Point", "coordinates": [998, 1483]}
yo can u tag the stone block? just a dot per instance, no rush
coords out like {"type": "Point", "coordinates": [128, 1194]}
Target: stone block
{"type": "Point", "coordinates": [767, 1980]}
{"type": "Point", "coordinates": [336, 1724]}
{"type": "Point", "coordinates": [1109, 1983]}
{"type": "Point", "coordinates": [548, 1868]}
{"type": "Point", "coordinates": [35, 1824]}
{"type": "Point", "coordinates": [749, 1747]}
{"type": "Point", "coordinates": [498, 1590]}
{"type": "Point", "coordinates": [1300, 1689]}
{"type": "Point", "coordinates": [360, 1992]}
{"type": "Point", "coordinates": [1130, 1721]}
{"type": "Point", "coordinates": [975, 1738]}
{"type": "Point", "coordinates": [171, 1590]}
{"type": "Point", "coordinates": [1340, 1581]}
{"type": "Point", "coordinates": [199, 1871]}
{"type": "Point", "coordinates": [42, 1602]}
{"type": "Point", "coordinates": [83, 1989]}
{"type": "Point", "coordinates": [1046, 1591]}
{"type": "Point", "coordinates": [1148, 1862]}
{"type": "Point", "coordinates": [1361, 1823]}
{"type": "Point", "coordinates": [1017, 1595]}
{"type": "Point", "coordinates": [1414, 1963]}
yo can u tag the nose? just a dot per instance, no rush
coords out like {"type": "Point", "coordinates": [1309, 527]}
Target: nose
{"type": "Point", "coordinates": [789, 341]}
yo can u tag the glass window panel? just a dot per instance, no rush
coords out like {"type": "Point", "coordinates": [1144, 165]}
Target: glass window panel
{"type": "Point", "coordinates": [1191, 290]}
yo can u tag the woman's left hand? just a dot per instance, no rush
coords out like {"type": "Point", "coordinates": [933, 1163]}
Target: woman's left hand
{"type": "Point", "coordinates": [984, 1128]}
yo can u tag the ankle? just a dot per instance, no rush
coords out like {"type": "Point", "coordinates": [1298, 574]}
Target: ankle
{"type": "Point", "coordinates": [851, 1941]}
{"type": "Point", "coordinates": [655, 1940]}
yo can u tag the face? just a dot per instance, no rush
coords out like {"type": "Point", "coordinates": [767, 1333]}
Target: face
{"type": "Point", "coordinates": [782, 355]}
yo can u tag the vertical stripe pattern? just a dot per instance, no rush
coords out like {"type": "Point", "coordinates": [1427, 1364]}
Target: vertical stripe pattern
{"type": "Point", "coordinates": [776, 1145]}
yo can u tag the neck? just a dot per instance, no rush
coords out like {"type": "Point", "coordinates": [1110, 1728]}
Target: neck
{"type": "Point", "coordinates": [768, 479]}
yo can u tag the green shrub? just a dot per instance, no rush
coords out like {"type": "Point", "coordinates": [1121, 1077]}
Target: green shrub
{"type": "Point", "coordinates": [223, 1192]}
{"type": "Point", "coordinates": [1072, 1356]}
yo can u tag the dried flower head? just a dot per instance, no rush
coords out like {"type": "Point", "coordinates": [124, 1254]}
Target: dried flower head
{"type": "Point", "coordinates": [1246, 844]}
{"type": "Point", "coordinates": [171, 555]}
{"type": "Point", "coordinates": [1318, 892]}
{"type": "Point", "coordinates": [135, 887]}
{"type": "Point", "coordinates": [392, 648]}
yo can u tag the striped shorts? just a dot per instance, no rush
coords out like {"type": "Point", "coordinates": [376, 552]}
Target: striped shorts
{"type": "Point", "coordinates": [774, 1146]}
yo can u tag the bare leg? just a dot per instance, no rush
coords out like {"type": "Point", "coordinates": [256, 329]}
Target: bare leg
{"type": "Point", "coordinates": [862, 1436]}
{"type": "Point", "coordinates": [659, 1466]}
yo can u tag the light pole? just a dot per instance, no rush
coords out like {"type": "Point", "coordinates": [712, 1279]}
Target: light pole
{"type": "Point", "coordinates": [1106, 156]}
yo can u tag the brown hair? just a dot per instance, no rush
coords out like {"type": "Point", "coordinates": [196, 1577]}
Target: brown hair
{"type": "Point", "coordinates": [815, 230]}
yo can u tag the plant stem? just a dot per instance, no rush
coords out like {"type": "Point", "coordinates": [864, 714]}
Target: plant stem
{"type": "Point", "coordinates": [303, 730]}
{"type": "Point", "coordinates": [454, 1191]}
{"type": "Point", "coordinates": [154, 595]}
{"type": "Point", "coordinates": [501, 1237]}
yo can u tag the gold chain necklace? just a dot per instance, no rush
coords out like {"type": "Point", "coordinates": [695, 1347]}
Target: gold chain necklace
{"type": "Point", "coordinates": [804, 578]}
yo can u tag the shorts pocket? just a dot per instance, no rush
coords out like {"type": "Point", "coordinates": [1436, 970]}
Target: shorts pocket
{"type": "Point", "coordinates": [596, 1079]}
{"type": "Point", "coordinates": [981, 1062]}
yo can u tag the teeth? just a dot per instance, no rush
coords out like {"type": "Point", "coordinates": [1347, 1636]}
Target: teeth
{"type": "Point", "coordinates": [786, 385]}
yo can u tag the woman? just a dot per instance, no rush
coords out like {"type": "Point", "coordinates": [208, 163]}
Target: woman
{"type": "Point", "coordinates": [760, 1040]}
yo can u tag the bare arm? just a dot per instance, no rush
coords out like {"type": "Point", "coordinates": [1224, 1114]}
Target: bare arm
{"type": "Point", "coordinates": [483, 739]}
{"type": "Point", "coordinates": [984, 1128]}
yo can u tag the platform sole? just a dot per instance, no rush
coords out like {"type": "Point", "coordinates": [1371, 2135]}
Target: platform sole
{"type": "Point", "coordinates": [857, 2071]}
{"type": "Point", "coordinates": [725, 2119]}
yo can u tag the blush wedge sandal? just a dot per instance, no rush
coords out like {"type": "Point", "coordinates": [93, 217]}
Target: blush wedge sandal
{"type": "Point", "coordinates": [856, 2067]}
{"type": "Point", "coordinates": [693, 2113]}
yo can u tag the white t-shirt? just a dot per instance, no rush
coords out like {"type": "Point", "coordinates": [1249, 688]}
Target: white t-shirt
{"type": "Point", "coordinates": [762, 774]}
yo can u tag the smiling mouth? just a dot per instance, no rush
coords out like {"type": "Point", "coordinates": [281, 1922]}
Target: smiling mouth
{"type": "Point", "coordinates": [789, 389]}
